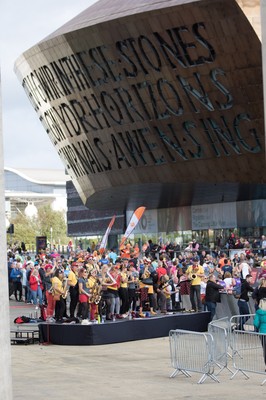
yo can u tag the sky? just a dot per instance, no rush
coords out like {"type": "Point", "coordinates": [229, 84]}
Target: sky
{"type": "Point", "coordinates": [22, 25]}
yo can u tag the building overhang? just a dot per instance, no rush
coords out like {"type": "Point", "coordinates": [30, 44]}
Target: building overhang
{"type": "Point", "coordinates": [158, 103]}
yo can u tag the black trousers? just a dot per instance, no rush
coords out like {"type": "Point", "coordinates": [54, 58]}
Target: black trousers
{"type": "Point", "coordinates": [84, 310]}
{"type": "Point", "coordinates": [74, 298]}
{"type": "Point", "coordinates": [123, 294]}
{"type": "Point", "coordinates": [17, 290]}
{"type": "Point", "coordinates": [263, 342]}
{"type": "Point", "coordinates": [60, 307]}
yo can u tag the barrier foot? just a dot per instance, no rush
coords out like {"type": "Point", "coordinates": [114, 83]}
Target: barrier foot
{"type": "Point", "coordinates": [234, 374]}
{"type": "Point", "coordinates": [177, 371]}
{"type": "Point", "coordinates": [204, 377]}
{"type": "Point", "coordinates": [263, 382]}
{"type": "Point", "coordinates": [222, 368]}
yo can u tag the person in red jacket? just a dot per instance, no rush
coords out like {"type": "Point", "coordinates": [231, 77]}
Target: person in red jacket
{"type": "Point", "coordinates": [36, 286]}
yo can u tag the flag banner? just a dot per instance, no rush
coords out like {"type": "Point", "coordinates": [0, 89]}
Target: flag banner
{"type": "Point", "coordinates": [132, 223]}
{"type": "Point", "coordinates": [105, 237]}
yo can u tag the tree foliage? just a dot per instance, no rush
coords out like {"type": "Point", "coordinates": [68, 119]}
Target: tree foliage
{"type": "Point", "coordinates": [27, 228]}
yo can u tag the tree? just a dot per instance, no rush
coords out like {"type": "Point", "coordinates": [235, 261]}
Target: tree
{"type": "Point", "coordinates": [27, 228]}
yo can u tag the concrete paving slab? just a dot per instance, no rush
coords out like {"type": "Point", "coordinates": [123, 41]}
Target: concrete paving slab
{"type": "Point", "coordinates": [132, 370]}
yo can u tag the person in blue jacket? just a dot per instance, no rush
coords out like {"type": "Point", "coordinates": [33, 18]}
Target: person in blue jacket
{"type": "Point", "coordinates": [260, 324]}
{"type": "Point", "coordinates": [16, 276]}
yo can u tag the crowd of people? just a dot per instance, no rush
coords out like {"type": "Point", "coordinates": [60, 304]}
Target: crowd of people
{"type": "Point", "coordinates": [90, 286]}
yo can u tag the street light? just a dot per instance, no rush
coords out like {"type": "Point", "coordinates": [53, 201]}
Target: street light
{"type": "Point", "coordinates": [31, 210]}
{"type": "Point", "coordinates": [51, 240]}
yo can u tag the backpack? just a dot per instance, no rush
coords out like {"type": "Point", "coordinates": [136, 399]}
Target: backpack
{"type": "Point", "coordinates": [21, 320]}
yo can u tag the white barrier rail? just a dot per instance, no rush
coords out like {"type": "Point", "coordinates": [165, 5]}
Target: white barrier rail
{"type": "Point", "coordinates": [220, 331]}
{"type": "Point", "coordinates": [192, 352]}
{"type": "Point", "coordinates": [249, 352]}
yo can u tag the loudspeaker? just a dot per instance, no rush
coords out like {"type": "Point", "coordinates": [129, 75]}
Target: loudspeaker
{"type": "Point", "coordinates": [10, 229]}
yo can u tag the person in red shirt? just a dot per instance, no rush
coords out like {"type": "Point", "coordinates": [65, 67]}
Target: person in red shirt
{"type": "Point", "coordinates": [36, 286]}
{"type": "Point", "coordinates": [161, 270]}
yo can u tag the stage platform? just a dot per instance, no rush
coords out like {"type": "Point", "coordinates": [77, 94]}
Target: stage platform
{"type": "Point", "coordinates": [122, 330]}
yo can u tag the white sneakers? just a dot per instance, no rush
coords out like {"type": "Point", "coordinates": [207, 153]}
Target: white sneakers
{"type": "Point", "coordinates": [50, 320]}
{"type": "Point", "coordinates": [85, 322]}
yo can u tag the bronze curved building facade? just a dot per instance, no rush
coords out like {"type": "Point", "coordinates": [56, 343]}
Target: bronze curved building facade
{"type": "Point", "coordinates": [155, 103]}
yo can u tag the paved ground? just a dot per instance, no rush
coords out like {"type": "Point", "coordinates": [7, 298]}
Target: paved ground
{"type": "Point", "coordinates": [133, 370]}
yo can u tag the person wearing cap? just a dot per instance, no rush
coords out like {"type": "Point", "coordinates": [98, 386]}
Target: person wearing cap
{"type": "Point", "coordinates": [133, 282]}
{"type": "Point", "coordinates": [195, 272]}
{"type": "Point", "coordinates": [49, 271]}
{"type": "Point", "coordinates": [72, 282]}
{"type": "Point", "coordinates": [125, 251]}
{"type": "Point", "coordinates": [58, 293]}
{"type": "Point", "coordinates": [146, 283]}
{"type": "Point", "coordinates": [123, 290]}
{"type": "Point", "coordinates": [112, 291]}
{"type": "Point", "coordinates": [95, 291]}
{"type": "Point", "coordinates": [84, 293]}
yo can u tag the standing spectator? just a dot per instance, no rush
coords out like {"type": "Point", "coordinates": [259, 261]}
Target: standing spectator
{"type": "Point", "coordinates": [212, 295]}
{"type": "Point", "coordinates": [229, 281]}
{"type": "Point", "coordinates": [244, 299]}
{"type": "Point", "coordinates": [30, 267]}
{"type": "Point", "coordinates": [36, 286]}
{"type": "Point", "coordinates": [227, 267]}
{"type": "Point", "coordinates": [16, 276]}
{"type": "Point", "coordinates": [112, 256]}
{"type": "Point", "coordinates": [263, 245]}
{"type": "Point", "coordinates": [262, 273]}
{"type": "Point", "coordinates": [203, 285]}
{"type": "Point", "coordinates": [195, 245]}
{"type": "Point", "coordinates": [262, 289]}
{"type": "Point", "coordinates": [231, 241]}
{"type": "Point", "coordinates": [11, 265]}
{"type": "Point", "coordinates": [244, 267]}
{"type": "Point", "coordinates": [260, 324]}
{"type": "Point", "coordinates": [103, 260]}
{"type": "Point", "coordinates": [24, 283]}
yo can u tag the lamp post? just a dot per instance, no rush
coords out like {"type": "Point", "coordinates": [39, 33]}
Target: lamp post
{"type": "Point", "coordinates": [51, 237]}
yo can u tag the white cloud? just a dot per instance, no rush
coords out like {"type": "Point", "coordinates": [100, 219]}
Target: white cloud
{"type": "Point", "coordinates": [22, 25]}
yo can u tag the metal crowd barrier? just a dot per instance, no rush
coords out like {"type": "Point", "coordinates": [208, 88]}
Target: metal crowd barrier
{"type": "Point", "coordinates": [192, 352]}
{"type": "Point", "coordinates": [220, 331]}
{"type": "Point", "coordinates": [235, 324]}
{"type": "Point", "coordinates": [249, 350]}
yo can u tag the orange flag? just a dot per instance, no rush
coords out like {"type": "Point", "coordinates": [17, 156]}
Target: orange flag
{"type": "Point", "coordinates": [105, 237]}
{"type": "Point", "coordinates": [132, 224]}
